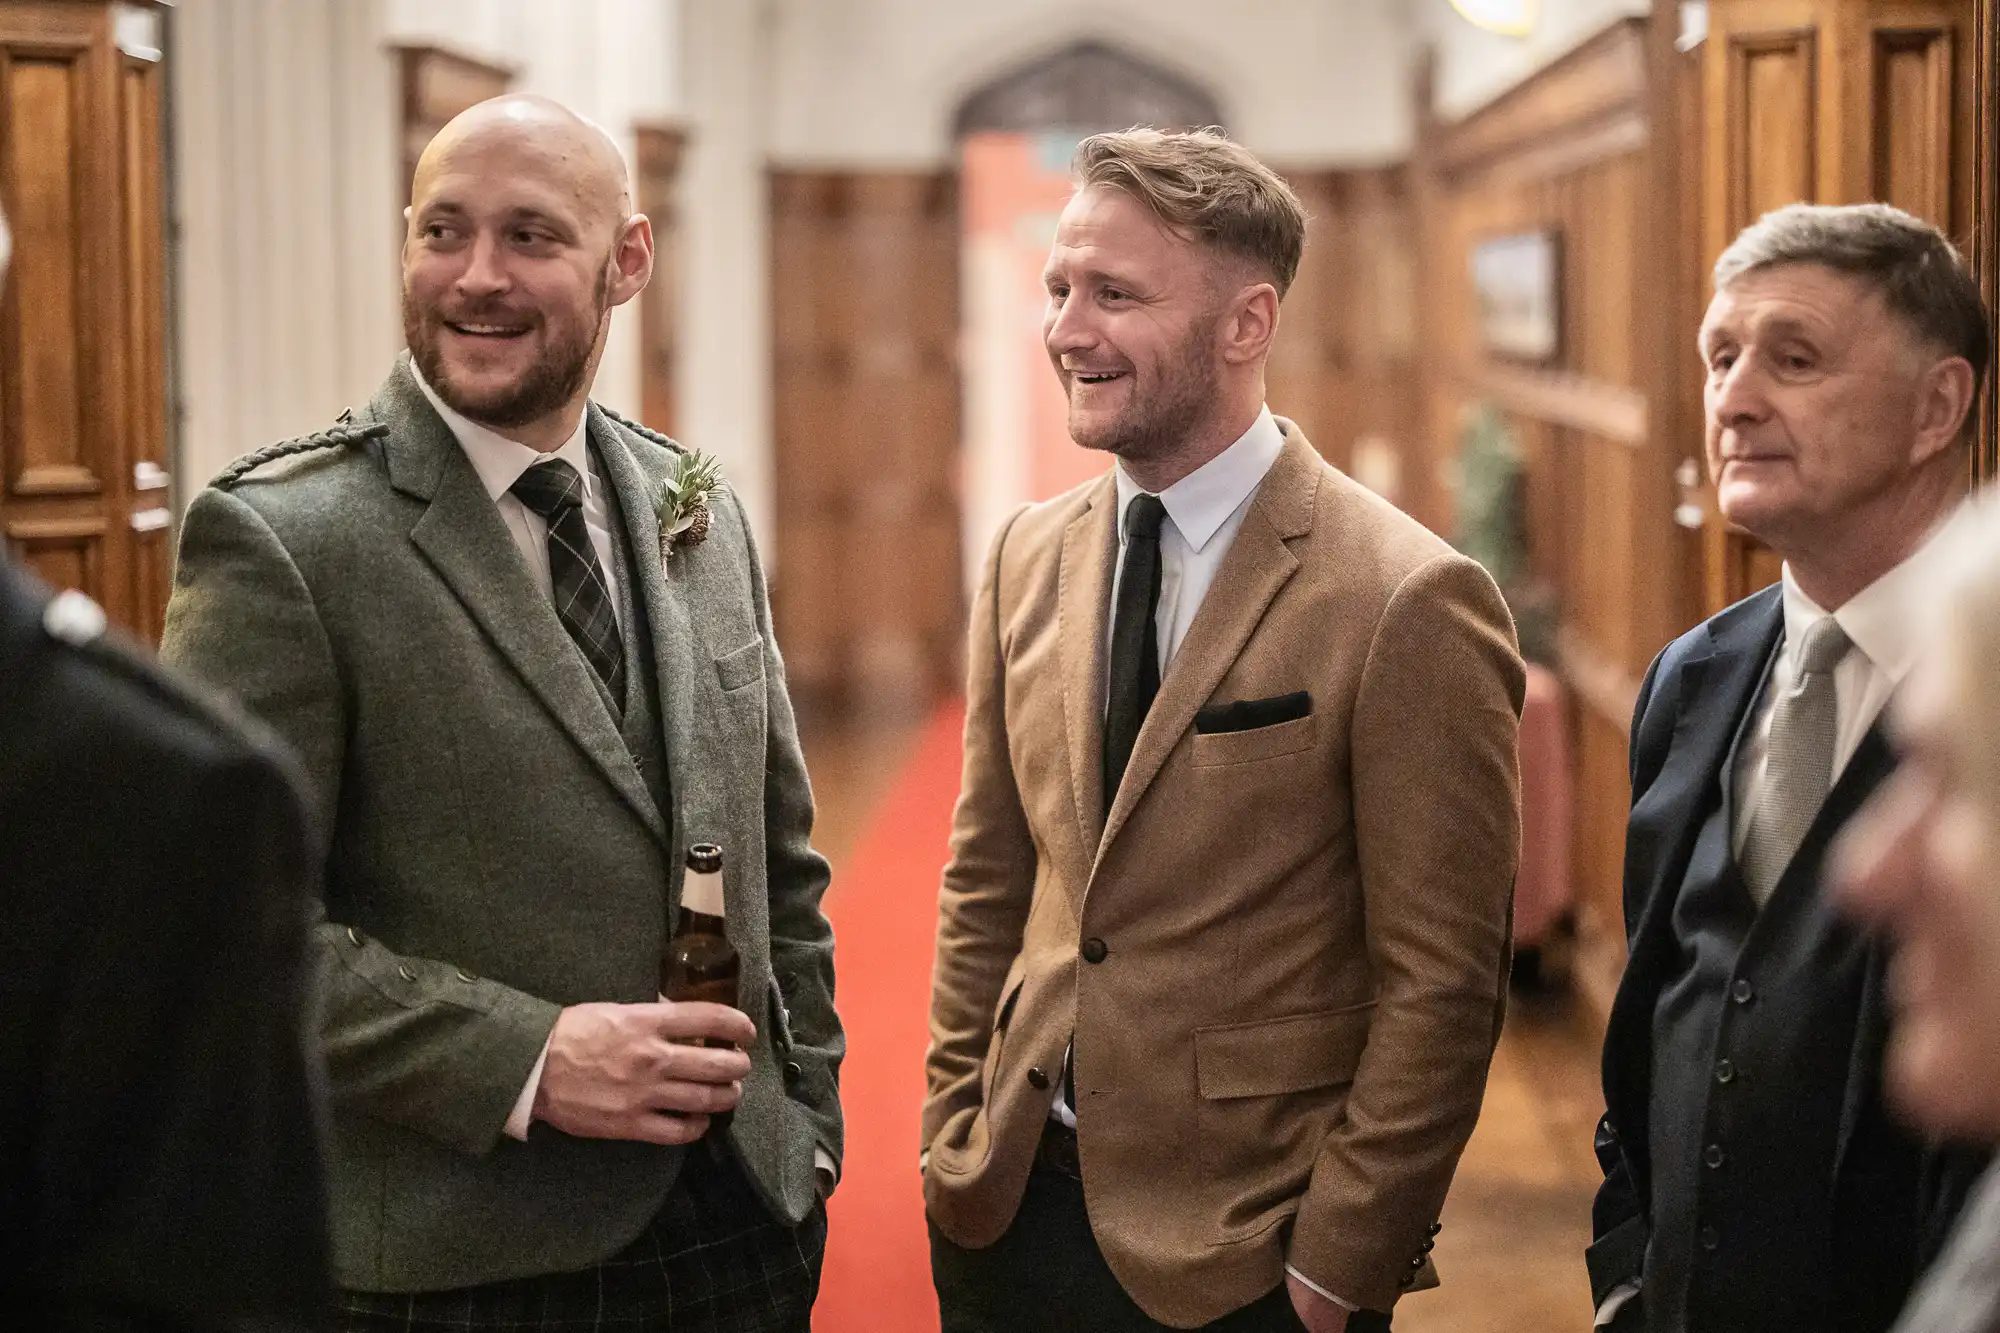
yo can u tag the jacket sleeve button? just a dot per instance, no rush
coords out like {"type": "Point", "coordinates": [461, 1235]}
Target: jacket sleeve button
{"type": "Point", "coordinates": [1095, 950]}
{"type": "Point", "coordinates": [1038, 1080]}
{"type": "Point", "coordinates": [794, 1071]}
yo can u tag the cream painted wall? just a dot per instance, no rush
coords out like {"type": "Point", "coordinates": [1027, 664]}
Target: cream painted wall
{"type": "Point", "coordinates": [874, 83]}
{"type": "Point", "coordinates": [287, 179]}
{"type": "Point", "coordinates": [284, 198]}
{"type": "Point", "coordinates": [1475, 66]}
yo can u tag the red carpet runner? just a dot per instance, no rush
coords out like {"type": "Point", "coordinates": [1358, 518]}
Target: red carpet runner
{"type": "Point", "coordinates": [884, 911]}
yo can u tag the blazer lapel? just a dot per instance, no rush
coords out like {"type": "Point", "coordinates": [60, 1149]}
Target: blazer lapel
{"type": "Point", "coordinates": [1259, 563]}
{"type": "Point", "coordinates": [1716, 691]}
{"type": "Point", "coordinates": [635, 475]}
{"type": "Point", "coordinates": [462, 536]}
{"type": "Point", "coordinates": [1083, 611]}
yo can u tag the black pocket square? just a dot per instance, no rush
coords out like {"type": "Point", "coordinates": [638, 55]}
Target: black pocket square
{"type": "Point", "coordinates": [1250, 714]}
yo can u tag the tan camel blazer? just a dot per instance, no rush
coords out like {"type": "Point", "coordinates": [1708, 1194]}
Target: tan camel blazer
{"type": "Point", "coordinates": [1300, 929]}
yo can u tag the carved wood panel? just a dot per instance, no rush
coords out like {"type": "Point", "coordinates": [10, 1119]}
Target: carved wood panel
{"type": "Point", "coordinates": [83, 354]}
{"type": "Point", "coordinates": [865, 325]}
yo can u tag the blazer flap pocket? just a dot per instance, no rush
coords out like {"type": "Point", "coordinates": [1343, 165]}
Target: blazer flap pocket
{"type": "Point", "coordinates": [1282, 1054]}
{"type": "Point", "coordinates": [1250, 714]}
{"type": "Point", "coordinates": [741, 666]}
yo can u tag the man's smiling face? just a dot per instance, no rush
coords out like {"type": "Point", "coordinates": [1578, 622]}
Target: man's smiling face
{"type": "Point", "coordinates": [506, 266]}
{"type": "Point", "coordinates": [1131, 325]}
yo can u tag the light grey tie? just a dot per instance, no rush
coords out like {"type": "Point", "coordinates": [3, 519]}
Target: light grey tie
{"type": "Point", "coordinates": [1798, 760]}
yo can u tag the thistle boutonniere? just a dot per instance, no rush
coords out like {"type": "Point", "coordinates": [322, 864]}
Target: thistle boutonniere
{"type": "Point", "coordinates": [682, 503]}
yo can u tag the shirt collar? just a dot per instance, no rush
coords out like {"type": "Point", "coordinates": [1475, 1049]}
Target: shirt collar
{"type": "Point", "coordinates": [498, 460]}
{"type": "Point", "coordinates": [1878, 620]}
{"type": "Point", "coordinates": [1203, 500]}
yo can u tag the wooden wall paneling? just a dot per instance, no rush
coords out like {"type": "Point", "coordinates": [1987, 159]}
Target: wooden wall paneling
{"type": "Point", "coordinates": [82, 325]}
{"type": "Point", "coordinates": [141, 102]}
{"type": "Point", "coordinates": [660, 151]}
{"type": "Point", "coordinates": [865, 329]}
{"type": "Point", "coordinates": [436, 85]}
{"type": "Point", "coordinates": [1343, 363]}
{"type": "Point", "coordinates": [1591, 148]}
{"type": "Point", "coordinates": [1984, 243]}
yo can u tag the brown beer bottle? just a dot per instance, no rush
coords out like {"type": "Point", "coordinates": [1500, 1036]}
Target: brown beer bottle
{"type": "Point", "coordinates": [699, 962]}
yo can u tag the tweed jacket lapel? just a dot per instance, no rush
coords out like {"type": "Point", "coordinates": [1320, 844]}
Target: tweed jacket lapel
{"type": "Point", "coordinates": [461, 534]}
{"type": "Point", "coordinates": [1083, 605]}
{"type": "Point", "coordinates": [1258, 564]}
{"type": "Point", "coordinates": [635, 472]}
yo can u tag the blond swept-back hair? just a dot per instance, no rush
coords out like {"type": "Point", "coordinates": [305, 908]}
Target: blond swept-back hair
{"type": "Point", "coordinates": [1206, 187]}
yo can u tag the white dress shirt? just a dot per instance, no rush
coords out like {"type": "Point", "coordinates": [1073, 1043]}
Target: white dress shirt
{"type": "Point", "coordinates": [1879, 623]}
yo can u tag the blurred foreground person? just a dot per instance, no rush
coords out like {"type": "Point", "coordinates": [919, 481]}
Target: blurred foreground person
{"type": "Point", "coordinates": [1922, 861]}
{"type": "Point", "coordinates": [159, 1135]}
{"type": "Point", "coordinates": [519, 705]}
{"type": "Point", "coordinates": [1754, 1179]}
{"type": "Point", "coordinates": [1238, 824]}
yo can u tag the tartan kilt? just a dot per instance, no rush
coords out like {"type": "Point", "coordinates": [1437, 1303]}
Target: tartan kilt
{"type": "Point", "coordinates": [713, 1260]}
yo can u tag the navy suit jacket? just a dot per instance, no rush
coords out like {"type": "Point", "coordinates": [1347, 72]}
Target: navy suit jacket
{"type": "Point", "coordinates": [1895, 1198]}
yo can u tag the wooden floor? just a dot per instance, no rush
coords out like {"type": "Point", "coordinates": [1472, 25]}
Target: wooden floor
{"type": "Point", "coordinates": [1518, 1218]}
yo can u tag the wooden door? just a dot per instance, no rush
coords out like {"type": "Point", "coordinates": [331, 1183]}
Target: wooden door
{"type": "Point", "coordinates": [660, 149]}
{"type": "Point", "coordinates": [1833, 102]}
{"type": "Point", "coordinates": [83, 434]}
{"type": "Point", "coordinates": [867, 589]}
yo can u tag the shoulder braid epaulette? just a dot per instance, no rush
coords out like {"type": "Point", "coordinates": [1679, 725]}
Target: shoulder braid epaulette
{"type": "Point", "coordinates": [655, 436]}
{"type": "Point", "coordinates": [333, 437]}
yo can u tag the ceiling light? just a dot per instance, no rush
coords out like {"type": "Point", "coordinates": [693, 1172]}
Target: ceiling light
{"type": "Point", "coordinates": [1513, 18]}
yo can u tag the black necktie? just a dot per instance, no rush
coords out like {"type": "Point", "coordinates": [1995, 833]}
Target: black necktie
{"type": "Point", "coordinates": [1135, 642]}
{"type": "Point", "coordinates": [583, 599]}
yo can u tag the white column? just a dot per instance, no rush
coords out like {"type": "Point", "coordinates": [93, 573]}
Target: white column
{"type": "Point", "coordinates": [284, 200]}
{"type": "Point", "coordinates": [725, 369]}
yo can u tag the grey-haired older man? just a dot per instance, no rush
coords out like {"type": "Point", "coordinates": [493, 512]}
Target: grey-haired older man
{"type": "Point", "coordinates": [1753, 1178]}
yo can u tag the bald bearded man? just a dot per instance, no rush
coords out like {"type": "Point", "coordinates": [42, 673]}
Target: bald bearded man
{"type": "Point", "coordinates": [518, 709]}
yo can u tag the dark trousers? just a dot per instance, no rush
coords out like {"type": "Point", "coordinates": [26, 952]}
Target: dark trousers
{"type": "Point", "coordinates": [1046, 1275]}
{"type": "Point", "coordinates": [713, 1260]}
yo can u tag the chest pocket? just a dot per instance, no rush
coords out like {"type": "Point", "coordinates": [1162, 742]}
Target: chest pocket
{"type": "Point", "coordinates": [740, 668]}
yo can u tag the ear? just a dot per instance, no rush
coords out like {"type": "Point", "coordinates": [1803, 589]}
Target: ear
{"type": "Point", "coordinates": [631, 259]}
{"type": "Point", "coordinates": [1249, 325]}
{"type": "Point", "coordinates": [1944, 396]}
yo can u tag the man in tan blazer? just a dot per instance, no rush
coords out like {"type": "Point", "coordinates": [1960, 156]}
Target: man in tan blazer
{"type": "Point", "coordinates": [1223, 940]}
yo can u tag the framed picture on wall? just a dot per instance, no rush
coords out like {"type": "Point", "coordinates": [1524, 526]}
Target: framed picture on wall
{"type": "Point", "coordinates": [1518, 282]}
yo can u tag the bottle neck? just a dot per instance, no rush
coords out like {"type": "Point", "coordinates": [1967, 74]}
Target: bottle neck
{"type": "Point", "coordinates": [701, 892]}
{"type": "Point", "coordinates": [700, 923]}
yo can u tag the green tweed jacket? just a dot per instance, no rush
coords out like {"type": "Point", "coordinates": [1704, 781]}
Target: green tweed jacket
{"type": "Point", "coordinates": [492, 850]}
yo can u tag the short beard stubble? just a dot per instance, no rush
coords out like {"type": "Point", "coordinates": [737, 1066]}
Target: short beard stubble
{"type": "Point", "coordinates": [549, 385]}
{"type": "Point", "coordinates": [1155, 427]}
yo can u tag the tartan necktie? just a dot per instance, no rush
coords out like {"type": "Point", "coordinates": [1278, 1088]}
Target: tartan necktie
{"type": "Point", "coordinates": [1798, 760]}
{"type": "Point", "coordinates": [582, 597]}
{"type": "Point", "coordinates": [1135, 641]}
